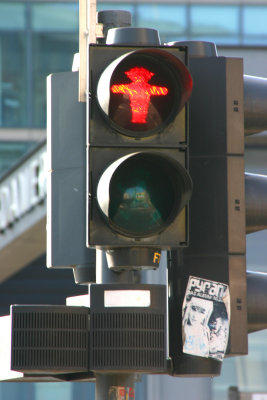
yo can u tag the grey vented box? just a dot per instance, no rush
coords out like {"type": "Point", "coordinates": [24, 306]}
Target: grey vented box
{"type": "Point", "coordinates": [50, 339]}
{"type": "Point", "coordinates": [128, 338]}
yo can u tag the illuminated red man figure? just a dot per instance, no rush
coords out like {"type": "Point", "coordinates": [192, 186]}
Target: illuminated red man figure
{"type": "Point", "coordinates": [139, 91]}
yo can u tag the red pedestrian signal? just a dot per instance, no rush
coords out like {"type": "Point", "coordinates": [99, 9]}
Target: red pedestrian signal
{"type": "Point", "coordinates": [139, 92]}
{"type": "Point", "coordinates": [142, 92]}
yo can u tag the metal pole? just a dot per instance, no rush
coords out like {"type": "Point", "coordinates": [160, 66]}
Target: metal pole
{"type": "Point", "coordinates": [114, 386]}
{"type": "Point", "coordinates": [255, 104]}
{"type": "Point", "coordinates": [256, 202]}
{"type": "Point", "coordinates": [87, 34]}
{"type": "Point", "coordinates": [106, 275]}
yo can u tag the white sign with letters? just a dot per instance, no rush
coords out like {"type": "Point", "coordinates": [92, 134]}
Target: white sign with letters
{"type": "Point", "coordinates": [23, 189]}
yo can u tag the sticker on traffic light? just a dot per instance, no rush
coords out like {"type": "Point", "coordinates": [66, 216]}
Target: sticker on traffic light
{"type": "Point", "coordinates": [141, 92]}
{"type": "Point", "coordinates": [206, 318]}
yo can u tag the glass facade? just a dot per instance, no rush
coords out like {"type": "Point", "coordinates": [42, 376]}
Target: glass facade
{"type": "Point", "coordinates": [41, 38]}
{"type": "Point", "coordinates": [254, 22]}
{"type": "Point", "coordinates": [54, 41]}
{"type": "Point", "coordinates": [225, 24]}
{"type": "Point", "coordinates": [13, 65]}
{"type": "Point", "coordinates": [220, 22]}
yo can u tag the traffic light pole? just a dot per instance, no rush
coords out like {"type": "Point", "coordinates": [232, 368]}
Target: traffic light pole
{"type": "Point", "coordinates": [113, 386]}
{"type": "Point", "coordinates": [106, 275]}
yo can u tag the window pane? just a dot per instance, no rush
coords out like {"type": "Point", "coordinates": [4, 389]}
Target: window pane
{"type": "Point", "coordinates": [170, 20]}
{"type": "Point", "coordinates": [115, 6]}
{"type": "Point", "coordinates": [219, 40]}
{"type": "Point", "coordinates": [247, 373]}
{"type": "Point", "coordinates": [10, 152]}
{"type": "Point", "coordinates": [56, 17]}
{"type": "Point", "coordinates": [17, 11]}
{"type": "Point", "coordinates": [54, 43]}
{"type": "Point", "coordinates": [257, 40]}
{"type": "Point", "coordinates": [255, 18]}
{"type": "Point", "coordinates": [214, 20]}
{"type": "Point", "coordinates": [12, 80]}
{"type": "Point", "coordinates": [52, 52]}
{"type": "Point", "coordinates": [53, 391]}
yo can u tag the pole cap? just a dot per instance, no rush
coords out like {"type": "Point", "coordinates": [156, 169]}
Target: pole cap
{"type": "Point", "coordinates": [133, 36]}
{"type": "Point", "coordinates": [197, 48]}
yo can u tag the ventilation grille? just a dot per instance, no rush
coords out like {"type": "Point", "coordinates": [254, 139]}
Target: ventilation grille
{"type": "Point", "coordinates": [131, 341]}
{"type": "Point", "coordinates": [50, 338]}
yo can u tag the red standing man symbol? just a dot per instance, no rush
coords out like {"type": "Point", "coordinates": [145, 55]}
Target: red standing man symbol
{"type": "Point", "coordinates": [139, 91]}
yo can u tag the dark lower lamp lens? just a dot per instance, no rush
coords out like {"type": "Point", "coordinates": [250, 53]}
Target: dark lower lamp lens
{"type": "Point", "coordinates": [142, 193]}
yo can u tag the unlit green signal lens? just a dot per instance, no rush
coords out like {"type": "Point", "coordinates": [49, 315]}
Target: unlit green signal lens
{"type": "Point", "coordinates": [142, 193]}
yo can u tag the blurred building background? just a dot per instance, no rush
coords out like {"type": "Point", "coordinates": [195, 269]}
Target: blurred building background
{"type": "Point", "coordinates": [40, 37]}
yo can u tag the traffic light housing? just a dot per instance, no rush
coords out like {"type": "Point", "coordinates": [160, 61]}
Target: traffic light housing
{"type": "Point", "coordinates": [138, 183]}
{"type": "Point", "coordinates": [226, 204]}
{"type": "Point", "coordinates": [216, 252]}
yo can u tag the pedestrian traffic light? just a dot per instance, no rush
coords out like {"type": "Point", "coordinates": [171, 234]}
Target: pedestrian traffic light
{"type": "Point", "coordinates": [138, 180]}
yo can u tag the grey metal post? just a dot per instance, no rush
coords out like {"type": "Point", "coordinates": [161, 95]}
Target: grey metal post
{"type": "Point", "coordinates": [106, 275]}
{"type": "Point", "coordinates": [112, 387]}
{"type": "Point", "coordinates": [108, 385]}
